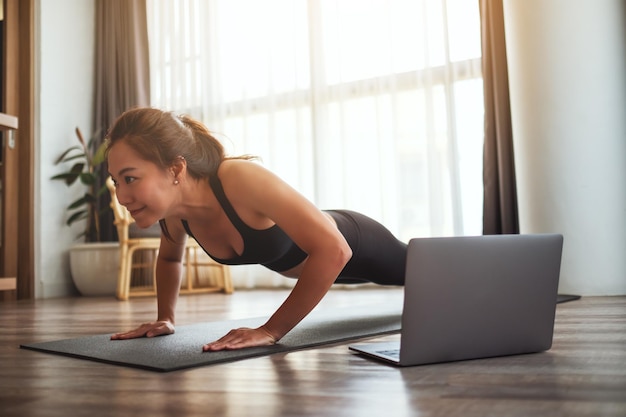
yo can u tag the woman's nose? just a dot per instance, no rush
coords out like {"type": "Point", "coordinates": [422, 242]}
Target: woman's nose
{"type": "Point", "coordinates": [123, 197]}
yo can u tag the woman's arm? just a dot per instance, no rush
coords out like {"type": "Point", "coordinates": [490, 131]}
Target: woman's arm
{"type": "Point", "coordinates": [320, 271]}
{"type": "Point", "coordinates": [169, 272]}
{"type": "Point", "coordinates": [168, 278]}
{"type": "Point", "coordinates": [251, 186]}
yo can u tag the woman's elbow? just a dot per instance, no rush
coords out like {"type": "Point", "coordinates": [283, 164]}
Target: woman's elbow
{"type": "Point", "coordinates": [343, 254]}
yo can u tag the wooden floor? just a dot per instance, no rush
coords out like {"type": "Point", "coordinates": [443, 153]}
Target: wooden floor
{"type": "Point", "coordinates": [584, 374]}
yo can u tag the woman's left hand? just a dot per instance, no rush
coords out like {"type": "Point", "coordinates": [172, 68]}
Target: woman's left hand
{"type": "Point", "coordinates": [241, 338]}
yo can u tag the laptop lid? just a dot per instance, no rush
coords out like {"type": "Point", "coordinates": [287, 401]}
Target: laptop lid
{"type": "Point", "coordinates": [479, 296]}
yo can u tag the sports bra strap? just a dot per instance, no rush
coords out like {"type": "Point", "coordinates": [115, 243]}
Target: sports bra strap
{"type": "Point", "coordinates": [187, 229]}
{"type": "Point", "coordinates": [218, 190]}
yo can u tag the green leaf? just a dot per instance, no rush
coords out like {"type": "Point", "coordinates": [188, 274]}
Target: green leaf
{"type": "Point", "coordinates": [100, 155]}
{"type": "Point", "coordinates": [63, 176]}
{"type": "Point", "coordinates": [89, 198]}
{"type": "Point", "coordinates": [78, 167]}
{"type": "Point", "coordinates": [74, 173]}
{"type": "Point", "coordinates": [79, 215]}
{"type": "Point", "coordinates": [73, 157]}
{"type": "Point", "coordinates": [80, 137]}
{"type": "Point", "coordinates": [77, 203]}
{"type": "Point", "coordinates": [65, 154]}
{"type": "Point", "coordinates": [87, 178]}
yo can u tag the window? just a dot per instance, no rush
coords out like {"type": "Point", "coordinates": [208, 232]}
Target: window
{"type": "Point", "coordinates": [370, 105]}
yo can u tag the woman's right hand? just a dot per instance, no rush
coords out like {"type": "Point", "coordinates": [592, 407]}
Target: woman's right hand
{"type": "Point", "coordinates": [153, 329]}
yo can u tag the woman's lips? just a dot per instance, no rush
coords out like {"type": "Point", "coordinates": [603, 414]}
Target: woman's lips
{"type": "Point", "coordinates": [135, 212]}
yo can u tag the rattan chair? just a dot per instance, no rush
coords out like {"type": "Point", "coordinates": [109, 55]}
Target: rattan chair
{"type": "Point", "coordinates": [138, 254]}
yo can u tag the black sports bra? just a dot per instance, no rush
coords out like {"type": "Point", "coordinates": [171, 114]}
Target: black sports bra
{"type": "Point", "coordinates": [270, 247]}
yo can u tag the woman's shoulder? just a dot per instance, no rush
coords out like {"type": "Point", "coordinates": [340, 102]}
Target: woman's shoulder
{"type": "Point", "coordinates": [248, 180]}
{"type": "Point", "coordinates": [242, 173]}
{"type": "Point", "coordinates": [238, 166]}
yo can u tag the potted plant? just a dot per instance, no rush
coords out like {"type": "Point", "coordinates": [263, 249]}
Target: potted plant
{"type": "Point", "coordinates": [93, 264]}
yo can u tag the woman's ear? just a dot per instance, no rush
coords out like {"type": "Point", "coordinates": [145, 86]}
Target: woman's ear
{"type": "Point", "coordinates": [178, 169]}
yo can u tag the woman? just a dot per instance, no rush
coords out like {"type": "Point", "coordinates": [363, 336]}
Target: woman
{"type": "Point", "coordinates": [170, 169]}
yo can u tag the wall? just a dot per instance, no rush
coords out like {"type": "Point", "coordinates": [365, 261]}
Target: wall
{"type": "Point", "coordinates": [64, 82]}
{"type": "Point", "coordinates": [567, 75]}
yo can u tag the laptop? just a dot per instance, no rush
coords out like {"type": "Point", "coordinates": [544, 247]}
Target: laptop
{"type": "Point", "coordinates": [475, 297]}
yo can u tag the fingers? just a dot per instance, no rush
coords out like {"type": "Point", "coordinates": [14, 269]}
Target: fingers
{"type": "Point", "coordinates": [132, 334]}
{"type": "Point", "coordinates": [240, 338]}
{"type": "Point", "coordinates": [159, 328]}
{"type": "Point", "coordinates": [232, 340]}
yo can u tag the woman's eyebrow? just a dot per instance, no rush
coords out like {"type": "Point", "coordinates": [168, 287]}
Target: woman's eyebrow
{"type": "Point", "coordinates": [125, 170]}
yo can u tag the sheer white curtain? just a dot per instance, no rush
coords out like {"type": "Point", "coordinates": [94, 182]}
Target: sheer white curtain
{"type": "Point", "coordinates": [370, 105]}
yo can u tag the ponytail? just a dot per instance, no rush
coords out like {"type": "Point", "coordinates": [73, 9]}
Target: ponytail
{"type": "Point", "coordinates": [205, 154]}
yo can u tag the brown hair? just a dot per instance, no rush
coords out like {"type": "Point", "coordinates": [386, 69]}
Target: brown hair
{"type": "Point", "coordinates": [161, 137]}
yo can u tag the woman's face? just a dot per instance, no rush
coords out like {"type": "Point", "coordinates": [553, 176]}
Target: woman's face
{"type": "Point", "coordinates": [141, 186]}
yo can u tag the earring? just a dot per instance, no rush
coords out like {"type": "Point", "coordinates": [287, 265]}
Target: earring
{"type": "Point", "coordinates": [175, 182]}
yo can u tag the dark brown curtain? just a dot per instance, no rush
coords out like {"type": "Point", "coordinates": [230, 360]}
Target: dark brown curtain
{"type": "Point", "coordinates": [122, 74]}
{"type": "Point", "coordinates": [500, 215]}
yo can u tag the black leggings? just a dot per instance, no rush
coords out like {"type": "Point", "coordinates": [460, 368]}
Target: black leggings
{"type": "Point", "coordinates": [377, 255]}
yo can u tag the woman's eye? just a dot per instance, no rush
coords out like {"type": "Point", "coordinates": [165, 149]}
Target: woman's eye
{"type": "Point", "coordinates": [128, 180]}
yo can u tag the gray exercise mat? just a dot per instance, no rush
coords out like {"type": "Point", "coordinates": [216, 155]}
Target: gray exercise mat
{"type": "Point", "coordinates": [184, 348]}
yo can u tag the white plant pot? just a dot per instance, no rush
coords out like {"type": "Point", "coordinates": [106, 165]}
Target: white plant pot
{"type": "Point", "coordinates": [94, 267]}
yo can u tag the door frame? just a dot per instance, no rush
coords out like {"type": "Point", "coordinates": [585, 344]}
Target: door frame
{"type": "Point", "coordinates": [18, 99]}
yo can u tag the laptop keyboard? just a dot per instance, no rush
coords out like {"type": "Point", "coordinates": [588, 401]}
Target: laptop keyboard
{"type": "Point", "coordinates": [392, 353]}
